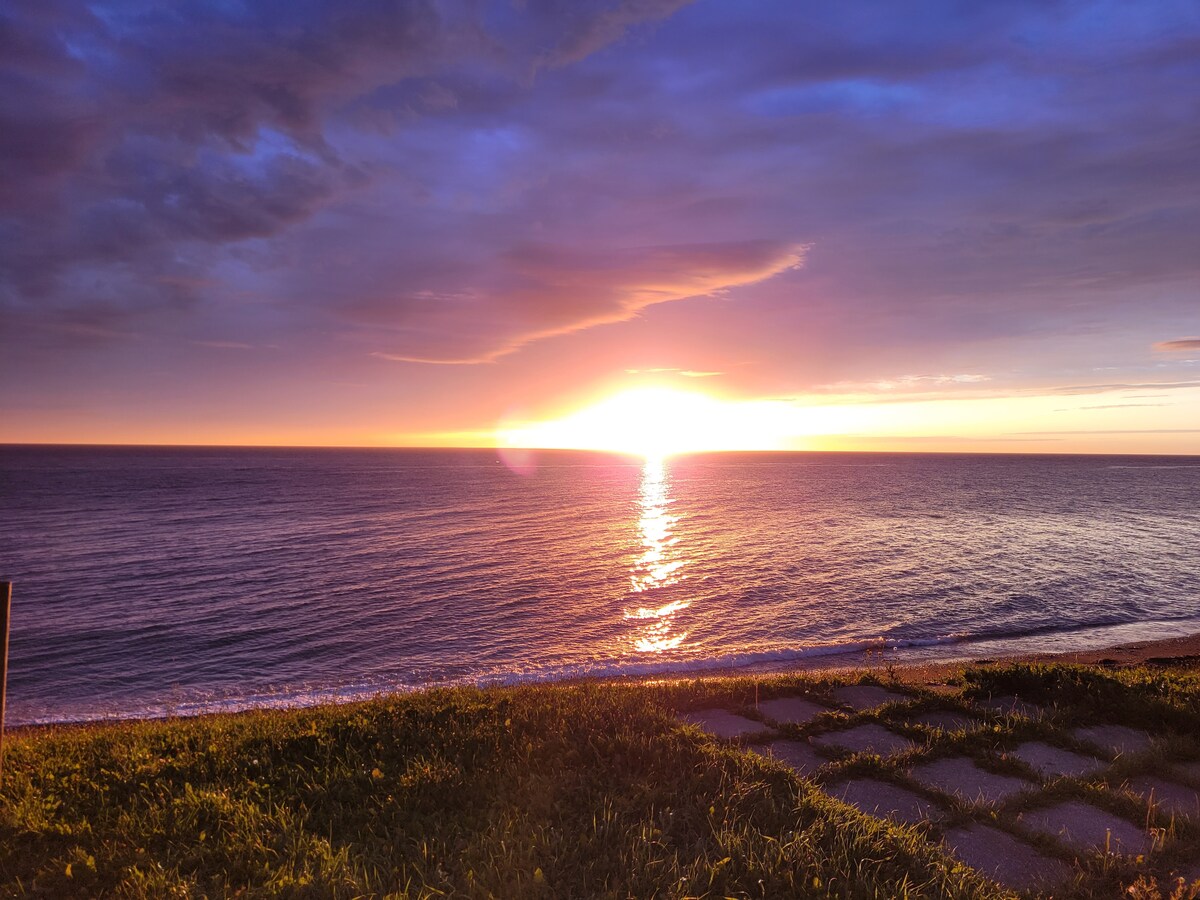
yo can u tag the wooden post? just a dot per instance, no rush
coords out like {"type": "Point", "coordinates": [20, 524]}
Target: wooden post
{"type": "Point", "coordinates": [5, 607]}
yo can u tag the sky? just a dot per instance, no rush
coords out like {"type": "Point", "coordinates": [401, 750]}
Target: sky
{"type": "Point", "coordinates": [949, 226]}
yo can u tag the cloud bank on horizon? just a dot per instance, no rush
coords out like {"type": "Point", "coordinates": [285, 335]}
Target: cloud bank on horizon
{"type": "Point", "coordinates": [202, 198]}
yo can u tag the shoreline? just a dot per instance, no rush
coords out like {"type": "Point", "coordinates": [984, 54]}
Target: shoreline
{"type": "Point", "coordinates": [1180, 652]}
{"type": "Point", "coordinates": [1176, 653]}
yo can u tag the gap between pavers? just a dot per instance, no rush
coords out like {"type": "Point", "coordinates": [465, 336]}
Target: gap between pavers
{"type": "Point", "coordinates": [867, 696]}
{"type": "Point", "coordinates": [1052, 762]}
{"type": "Point", "coordinates": [798, 755]}
{"type": "Point", "coordinates": [960, 775]}
{"type": "Point", "coordinates": [1085, 827]}
{"type": "Point", "coordinates": [791, 710]}
{"type": "Point", "coordinates": [1167, 796]}
{"type": "Point", "coordinates": [945, 719]}
{"type": "Point", "coordinates": [1000, 856]}
{"type": "Point", "coordinates": [1010, 706]}
{"type": "Point", "coordinates": [1116, 740]}
{"type": "Point", "coordinates": [868, 738]}
{"type": "Point", "coordinates": [885, 801]}
{"type": "Point", "coordinates": [724, 724]}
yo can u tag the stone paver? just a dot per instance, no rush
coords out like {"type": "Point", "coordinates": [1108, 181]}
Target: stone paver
{"type": "Point", "coordinates": [945, 719]}
{"type": "Point", "coordinates": [723, 723]}
{"type": "Point", "coordinates": [960, 775]}
{"type": "Point", "coordinates": [798, 755]}
{"type": "Point", "coordinates": [1167, 796]}
{"type": "Point", "coordinates": [1011, 706]}
{"type": "Point", "coordinates": [886, 801]}
{"type": "Point", "coordinates": [1085, 827]}
{"type": "Point", "coordinates": [998, 855]}
{"type": "Point", "coordinates": [867, 696]}
{"type": "Point", "coordinates": [791, 710]}
{"type": "Point", "coordinates": [869, 738]}
{"type": "Point", "coordinates": [1053, 762]}
{"type": "Point", "coordinates": [1116, 740]}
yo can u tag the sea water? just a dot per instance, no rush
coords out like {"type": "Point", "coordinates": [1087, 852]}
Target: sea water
{"type": "Point", "coordinates": [152, 581]}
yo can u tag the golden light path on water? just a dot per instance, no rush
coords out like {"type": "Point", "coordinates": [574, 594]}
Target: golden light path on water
{"type": "Point", "coordinates": [659, 564]}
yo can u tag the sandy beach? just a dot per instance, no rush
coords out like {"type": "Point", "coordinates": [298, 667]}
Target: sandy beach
{"type": "Point", "coordinates": [1178, 653]}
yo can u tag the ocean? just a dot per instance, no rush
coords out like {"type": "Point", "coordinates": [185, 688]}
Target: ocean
{"type": "Point", "coordinates": [155, 581]}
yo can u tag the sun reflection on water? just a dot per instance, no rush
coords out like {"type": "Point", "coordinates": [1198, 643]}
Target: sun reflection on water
{"type": "Point", "coordinates": [658, 566]}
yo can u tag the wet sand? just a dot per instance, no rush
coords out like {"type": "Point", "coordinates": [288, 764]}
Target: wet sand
{"type": "Point", "coordinates": [1176, 653]}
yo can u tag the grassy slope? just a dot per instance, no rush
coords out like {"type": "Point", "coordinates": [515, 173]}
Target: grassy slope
{"type": "Point", "coordinates": [553, 791]}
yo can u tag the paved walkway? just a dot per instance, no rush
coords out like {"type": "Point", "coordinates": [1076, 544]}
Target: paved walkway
{"type": "Point", "coordinates": [996, 780]}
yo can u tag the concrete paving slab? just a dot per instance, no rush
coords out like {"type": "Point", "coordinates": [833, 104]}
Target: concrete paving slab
{"type": "Point", "coordinates": [1167, 796]}
{"type": "Point", "coordinates": [886, 801]}
{"type": "Point", "coordinates": [1115, 740]}
{"type": "Point", "coordinates": [960, 775]}
{"type": "Point", "coordinates": [791, 710]}
{"type": "Point", "coordinates": [1010, 706]}
{"type": "Point", "coordinates": [945, 719]}
{"type": "Point", "coordinates": [1085, 827]}
{"type": "Point", "coordinates": [1000, 856]}
{"type": "Point", "coordinates": [798, 755]}
{"type": "Point", "coordinates": [1054, 762]}
{"type": "Point", "coordinates": [724, 724]}
{"type": "Point", "coordinates": [867, 696]}
{"type": "Point", "coordinates": [869, 738]}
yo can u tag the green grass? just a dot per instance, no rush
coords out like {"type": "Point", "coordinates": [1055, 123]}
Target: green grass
{"type": "Point", "coordinates": [540, 791]}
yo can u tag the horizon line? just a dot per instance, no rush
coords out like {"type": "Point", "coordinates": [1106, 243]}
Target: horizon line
{"type": "Point", "coordinates": [607, 452]}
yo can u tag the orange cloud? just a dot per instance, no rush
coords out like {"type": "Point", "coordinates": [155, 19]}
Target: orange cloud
{"type": "Point", "coordinates": [559, 290]}
{"type": "Point", "coordinates": [1179, 346]}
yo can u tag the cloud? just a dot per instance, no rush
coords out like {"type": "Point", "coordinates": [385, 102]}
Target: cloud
{"type": "Point", "coordinates": [146, 139]}
{"type": "Point", "coordinates": [903, 383]}
{"type": "Point", "coordinates": [1120, 431]}
{"type": "Point", "coordinates": [549, 290]}
{"type": "Point", "coordinates": [685, 373]}
{"type": "Point", "coordinates": [1110, 406]}
{"type": "Point", "coordinates": [970, 189]}
{"type": "Point", "coordinates": [1068, 390]}
{"type": "Point", "coordinates": [1182, 345]}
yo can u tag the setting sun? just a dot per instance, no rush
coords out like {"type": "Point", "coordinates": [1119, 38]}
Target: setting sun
{"type": "Point", "coordinates": [656, 422]}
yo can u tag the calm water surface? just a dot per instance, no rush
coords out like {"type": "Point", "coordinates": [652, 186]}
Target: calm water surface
{"type": "Point", "coordinates": [174, 580]}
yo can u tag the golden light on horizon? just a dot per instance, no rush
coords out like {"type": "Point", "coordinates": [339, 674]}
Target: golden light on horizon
{"type": "Point", "coordinates": [662, 421]}
{"type": "Point", "coordinates": [658, 421]}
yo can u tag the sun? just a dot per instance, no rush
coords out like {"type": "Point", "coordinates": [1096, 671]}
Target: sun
{"type": "Point", "coordinates": [656, 422]}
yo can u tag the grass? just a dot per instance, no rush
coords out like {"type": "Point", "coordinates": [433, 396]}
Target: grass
{"type": "Point", "coordinates": [538, 791]}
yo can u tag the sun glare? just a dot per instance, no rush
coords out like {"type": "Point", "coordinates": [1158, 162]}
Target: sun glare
{"type": "Point", "coordinates": [657, 422]}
